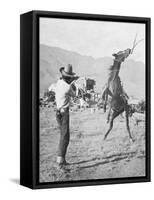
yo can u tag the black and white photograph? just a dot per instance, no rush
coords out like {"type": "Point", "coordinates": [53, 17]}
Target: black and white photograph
{"type": "Point", "coordinates": [76, 100]}
{"type": "Point", "coordinates": [92, 100]}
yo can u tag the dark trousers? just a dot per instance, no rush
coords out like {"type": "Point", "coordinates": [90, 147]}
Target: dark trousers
{"type": "Point", "coordinates": [63, 122]}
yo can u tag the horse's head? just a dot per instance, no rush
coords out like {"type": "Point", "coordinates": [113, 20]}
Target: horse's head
{"type": "Point", "coordinates": [122, 55]}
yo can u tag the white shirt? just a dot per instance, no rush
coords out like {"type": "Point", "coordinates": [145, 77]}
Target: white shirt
{"type": "Point", "coordinates": [63, 93]}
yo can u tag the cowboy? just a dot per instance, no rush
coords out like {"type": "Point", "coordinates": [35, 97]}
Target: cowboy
{"type": "Point", "coordinates": [63, 93]}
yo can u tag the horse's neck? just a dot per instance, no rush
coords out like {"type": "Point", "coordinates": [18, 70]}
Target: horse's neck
{"type": "Point", "coordinates": [115, 69]}
{"type": "Point", "coordinates": [115, 86]}
{"type": "Point", "coordinates": [114, 72]}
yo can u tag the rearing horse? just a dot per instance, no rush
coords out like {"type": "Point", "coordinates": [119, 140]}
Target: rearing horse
{"type": "Point", "coordinates": [114, 88]}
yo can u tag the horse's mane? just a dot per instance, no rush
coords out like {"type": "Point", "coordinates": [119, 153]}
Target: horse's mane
{"type": "Point", "coordinates": [111, 68]}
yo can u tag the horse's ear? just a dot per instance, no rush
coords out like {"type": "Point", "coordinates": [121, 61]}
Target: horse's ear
{"type": "Point", "coordinates": [114, 54]}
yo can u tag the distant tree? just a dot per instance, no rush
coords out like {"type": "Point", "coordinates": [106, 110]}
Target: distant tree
{"type": "Point", "coordinates": [50, 95]}
{"type": "Point", "coordinates": [141, 106]}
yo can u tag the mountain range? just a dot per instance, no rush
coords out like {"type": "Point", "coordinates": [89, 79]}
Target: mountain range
{"type": "Point", "coordinates": [132, 73]}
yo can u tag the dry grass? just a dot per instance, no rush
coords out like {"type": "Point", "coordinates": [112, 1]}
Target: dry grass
{"type": "Point", "coordinates": [89, 156]}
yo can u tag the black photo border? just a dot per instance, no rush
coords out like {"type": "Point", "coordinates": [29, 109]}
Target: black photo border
{"type": "Point", "coordinates": [30, 175]}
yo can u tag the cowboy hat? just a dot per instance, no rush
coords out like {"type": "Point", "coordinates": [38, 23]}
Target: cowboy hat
{"type": "Point", "coordinates": [67, 71]}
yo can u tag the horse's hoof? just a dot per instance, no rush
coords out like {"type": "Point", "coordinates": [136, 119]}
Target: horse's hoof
{"type": "Point", "coordinates": [104, 138]}
{"type": "Point", "coordinates": [132, 140]}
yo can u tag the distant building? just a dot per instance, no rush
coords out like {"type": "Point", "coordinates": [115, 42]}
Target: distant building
{"type": "Point", "coordinates": [85, 83]}
{"type": "Point", "coordinates": [90, 84]}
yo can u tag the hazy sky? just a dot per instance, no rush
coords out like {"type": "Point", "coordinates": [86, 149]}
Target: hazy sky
{"type": "Point", "coordinates": [92, 38]}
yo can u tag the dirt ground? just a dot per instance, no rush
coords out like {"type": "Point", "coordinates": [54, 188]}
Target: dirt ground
{"type": "Point", "coordinates": [90, 157]}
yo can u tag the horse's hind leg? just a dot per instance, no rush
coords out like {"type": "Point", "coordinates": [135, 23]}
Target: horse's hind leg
{"type": "Point", "coordinates": [113, 116]}
{"type": "Point", "coordinates": [127, 125]}
{"type": "Point", "coordinates": [108, 116]}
